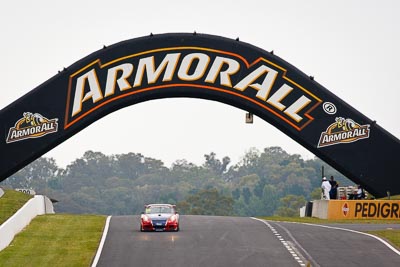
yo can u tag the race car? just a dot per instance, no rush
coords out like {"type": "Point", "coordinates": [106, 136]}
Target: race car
{"type": "Point", "coordinates": [159, 217]}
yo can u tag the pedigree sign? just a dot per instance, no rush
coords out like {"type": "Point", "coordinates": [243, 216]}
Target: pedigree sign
{"type": "Point", "coordinates": [261, 82]}
{"type": "Point", "coordinates": [364, 209]}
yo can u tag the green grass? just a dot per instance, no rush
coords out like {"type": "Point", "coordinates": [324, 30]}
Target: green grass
{"type": "Point", "coordinates": [11, 202]}
{"type": "Point", "coordinates": [72, 240]}
{"type": "Point", "coordinates": [393, 236]}
{"type": "Point", "coordinates": [56, 240]}
{"type": "Point", "coordinates": [397, 197]}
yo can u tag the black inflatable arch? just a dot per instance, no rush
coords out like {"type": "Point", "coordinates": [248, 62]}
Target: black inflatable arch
{"type": "Point", "coordinates": [206, 67]}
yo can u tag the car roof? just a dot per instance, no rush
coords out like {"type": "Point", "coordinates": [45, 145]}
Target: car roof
{"type": "Point", "coordinates": [168, 205]}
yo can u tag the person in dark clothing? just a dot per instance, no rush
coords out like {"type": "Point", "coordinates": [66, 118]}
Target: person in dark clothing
{"type": "Point", "coordinates": [334, 186]}
{"type": "Point", "coordinates": [360, 192]}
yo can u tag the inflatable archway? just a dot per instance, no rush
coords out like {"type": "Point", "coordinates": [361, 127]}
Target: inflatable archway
{"type": "Point", "coordinates": [207, 67]}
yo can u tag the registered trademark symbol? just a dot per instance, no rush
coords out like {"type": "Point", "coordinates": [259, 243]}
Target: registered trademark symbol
{"type": "Point", "coordinates": [329, 108]}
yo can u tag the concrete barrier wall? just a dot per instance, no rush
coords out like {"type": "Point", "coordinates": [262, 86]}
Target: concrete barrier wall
{"type": "Point", "coordinates": [320, 209]}
{"type": "Point", "coordinates": [303, 211]}
{"type": "Point", "coordinates": [48, 206]}
{"type": "Point", "coordinates": [38, 205]}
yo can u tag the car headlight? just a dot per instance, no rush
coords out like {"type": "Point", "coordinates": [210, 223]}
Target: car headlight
{"type": "Point", "coordinates": [172, 219]}
{"type": "Point", "coordinates": [145, 218]}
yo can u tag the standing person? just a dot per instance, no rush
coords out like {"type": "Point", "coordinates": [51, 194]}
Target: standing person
{"type": "Point", "coordinates": [334, 186]}
{"type": "Point", "coordinates": [326, 187]}
{"type": "Point", "coordinates": [360, 192]}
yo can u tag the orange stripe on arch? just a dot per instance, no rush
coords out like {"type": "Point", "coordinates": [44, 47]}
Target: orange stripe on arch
{"type": "Point", "coordinates": [102, 65]}
{"type": "Point", "coordinates": [246, 63]}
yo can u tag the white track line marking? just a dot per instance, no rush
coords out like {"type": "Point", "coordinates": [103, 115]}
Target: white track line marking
{"type": "Point", "coordinates": [103, 239]}
{"type": "Point", "coordinates": [284, 242]}
{"type": "Point", "coordinates": [362, 233]}
{"type": "Point", "coordinates": [309, 257]}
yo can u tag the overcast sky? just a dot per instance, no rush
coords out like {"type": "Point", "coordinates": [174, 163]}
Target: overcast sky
{"type": "Point", "coordinates": [350, 47]}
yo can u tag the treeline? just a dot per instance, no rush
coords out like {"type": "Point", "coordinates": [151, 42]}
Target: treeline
{"type": "Point", "coordinates": [264, 182]}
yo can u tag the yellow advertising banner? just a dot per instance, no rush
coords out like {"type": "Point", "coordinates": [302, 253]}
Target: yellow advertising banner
{"type": "Point", "coordinates": [364, 209]}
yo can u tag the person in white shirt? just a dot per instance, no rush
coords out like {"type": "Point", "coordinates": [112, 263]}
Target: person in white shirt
{"type": "Point", "coordinates": [326, 187]}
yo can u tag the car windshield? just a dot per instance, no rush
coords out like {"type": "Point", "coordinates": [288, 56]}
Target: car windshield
{"type": "Point", "coordinates": [158, 209]}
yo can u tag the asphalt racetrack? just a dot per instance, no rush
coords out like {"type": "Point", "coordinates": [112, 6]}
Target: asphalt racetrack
{"type": "Point", "coordinates": [239, 241]}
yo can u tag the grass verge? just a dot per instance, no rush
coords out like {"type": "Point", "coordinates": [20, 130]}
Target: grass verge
{"type": "Point", "coordinates": [397, 197]}
{"type": "Point", "coordinates": [10, 203]}
{"type": "Point", "coordinates": [391, 235]}
{"type": "Point", "coordinates": [56, 240]}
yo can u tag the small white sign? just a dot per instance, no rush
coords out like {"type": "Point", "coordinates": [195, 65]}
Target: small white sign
{"type": "Point", "coordinates": [26, 191]}
{"type": "Point", "coordinates": [329, 108]}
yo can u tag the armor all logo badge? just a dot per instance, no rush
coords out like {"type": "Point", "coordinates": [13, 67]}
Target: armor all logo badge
{"type": "Point", "coordinates": [343, 131]}
{"type": "Point", "coordinates": [31, 126]}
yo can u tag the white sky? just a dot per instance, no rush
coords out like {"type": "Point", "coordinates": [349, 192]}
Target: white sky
{"type": "Point", "coordinates": [350, 47]}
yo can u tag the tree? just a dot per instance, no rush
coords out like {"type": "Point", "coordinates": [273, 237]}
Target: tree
{"type": "Point", "coordinates": [129, 165]}
{"type": "Point", "coordinates": [236, 193]}
{"type": "Point", "coordinates": [270, 200]}
{"type": "Point", "coordinates": [246, 193]}
{"type": "Point", "coordinates": [35, 175]}
{"type": "Point", "coordinates": [290, 205]}
{"type": "Point", "coordinates": [214, 164]}
{"type": "Point", "coordinates": [123, 183]}
{"type": "Point", "coordinates": [207, 202]}
{"type": "Point", "coordinates": [315, 194]}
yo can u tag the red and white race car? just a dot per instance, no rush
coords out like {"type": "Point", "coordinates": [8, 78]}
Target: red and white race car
{"type": "Point", "coordinates": [159, 217]}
